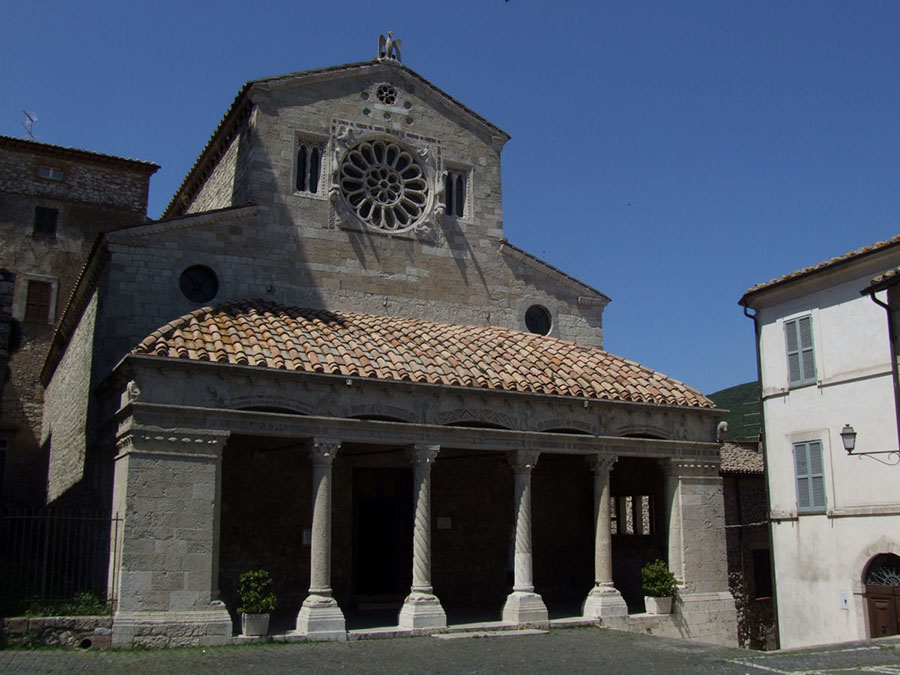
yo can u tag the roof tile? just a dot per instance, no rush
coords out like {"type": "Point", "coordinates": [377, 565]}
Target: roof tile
{"type": "Point", "coordinates": [263, 334]}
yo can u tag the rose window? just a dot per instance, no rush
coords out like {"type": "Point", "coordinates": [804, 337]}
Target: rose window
{"type": "Point", "coordinates": [386, 94]}
{"type": "Point", "coordinates": [384, 185]}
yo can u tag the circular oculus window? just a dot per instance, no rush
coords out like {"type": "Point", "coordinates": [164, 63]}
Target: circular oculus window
{"type": "Point", "coordinates": [199, 283]}
{"type": "Point", "coordinates": [384, 184]}
{"type": "Point", "coordinates": [538, 320]}
{"type": "Point", "coordinates": [386, 94]}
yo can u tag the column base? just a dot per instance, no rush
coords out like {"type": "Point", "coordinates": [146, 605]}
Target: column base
{"type": "Point", "coordinates": [523, 607]}
{"type": "Point", "coordinates": [422, 610]}
{"type": "Point", "coordinates": [183, 628]}
{"type": "Point", "coordinates": [604, 602]}
{"type": "Point", "coordinates": [321, 618]}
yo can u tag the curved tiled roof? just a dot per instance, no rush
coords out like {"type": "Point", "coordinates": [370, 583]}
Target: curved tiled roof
{"type": "Point", "coordinates": [806, 271]}
{"type": "Point", "coordinates": [260, 333]}
{"type": "Point", "coordinates": [738, 459]}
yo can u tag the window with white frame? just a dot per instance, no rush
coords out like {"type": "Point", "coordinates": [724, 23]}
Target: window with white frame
{"type": "Point", "coordinates": [50, 172]}
{"type": "Point", "coordinates": [309, 167]}
{"type": "Point", "coordinates": [455, 191]}
{"type": "Point", "coordinates": [800, 353]}
{"type": "Point", "coordinates": [810, 472]}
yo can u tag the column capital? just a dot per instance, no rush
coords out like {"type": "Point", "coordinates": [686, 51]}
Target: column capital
{"type": "Point", "coordinates": [523, 460]}
{"type": "Point", "coordinates": [601, 463]}
{"type": "Point", "coordinates": [323, 450]}
{"type": "Point", "coordinates": [421, 453]}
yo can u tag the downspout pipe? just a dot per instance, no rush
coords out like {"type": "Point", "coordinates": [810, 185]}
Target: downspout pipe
{"type": "Point", "coordinates": [892, 336]}
{"type": "Point", "coordinates": [765, 453]}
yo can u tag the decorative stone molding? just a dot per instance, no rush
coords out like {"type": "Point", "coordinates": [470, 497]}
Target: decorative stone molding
{"type": "Point", "coordinates": [380, 185]}
{"type": "Point", "coordinates": [691, 467]}
{"type": "Point", "coordinates": [458, 415]}
{"type": "Point", "coordinates": [323, 451]}
{"type": "Point", "coordinates": [600, 463]}
{"type": "Point", "coordinates": [171, 441]}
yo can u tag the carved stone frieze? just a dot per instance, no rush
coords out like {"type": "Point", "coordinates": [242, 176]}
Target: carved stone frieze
{"type": "Point", "coordinates": [173, 440]}
{"type": "Point", "coordinates": [487, 415]}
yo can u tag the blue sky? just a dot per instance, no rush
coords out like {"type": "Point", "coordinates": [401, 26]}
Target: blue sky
{"type": "Point", "coordinates": [670, 154]}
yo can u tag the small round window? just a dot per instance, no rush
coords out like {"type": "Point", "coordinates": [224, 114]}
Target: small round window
{"type": "Point", "coordinates": [199, 283]}
{"type": "Point", "coordinates": [538, 320]}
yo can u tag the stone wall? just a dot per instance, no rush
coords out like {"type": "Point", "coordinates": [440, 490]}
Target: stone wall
{"type": "Point", "coordinates": [86, 632]}
{"type": "Point", "coordinates": [67, 401]}
{"type": "Point", "coordinates": [217, 191]}
{"type": "Point", "coordinates": [83, 180]}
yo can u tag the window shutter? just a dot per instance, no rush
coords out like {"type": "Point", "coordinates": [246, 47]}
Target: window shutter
{"type": "Point", "coordinates": [810, 472]}
{"type": "Point", "coordinates": [816, 475]}
{"type": "Point", "coordinates": [801, 470]}
{"type": "Point", "coordinates": [807, 362]}
{"type": "Point", "coordinates": [800, 352]}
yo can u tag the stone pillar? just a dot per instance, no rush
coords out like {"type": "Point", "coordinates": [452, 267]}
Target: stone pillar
{"type": "Point", "coordinates": [604, 600]}
{"type": "Point", "coordinates": [696, 549]}
{"type": "Point", "coordinates": [422, 609]}
{"type": "Point", "coordinates": [163, 572]}
{"type": "Point", "coordinates": [523, 605]}
{"type": "Point", "coordinates": [320, 616]}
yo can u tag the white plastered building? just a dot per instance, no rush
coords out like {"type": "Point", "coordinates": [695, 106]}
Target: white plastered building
{"type": "Point", "coordinates": [827, 358]}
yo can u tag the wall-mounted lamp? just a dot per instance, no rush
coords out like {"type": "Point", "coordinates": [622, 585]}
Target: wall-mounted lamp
{"type": "Point", "coordinates": [848, 437]}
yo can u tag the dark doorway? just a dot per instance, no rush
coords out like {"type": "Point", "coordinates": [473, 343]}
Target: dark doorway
{"type": "Point", "coordinates": [883, 595]}
{"type": "Point", "coordinates": [382, 533]}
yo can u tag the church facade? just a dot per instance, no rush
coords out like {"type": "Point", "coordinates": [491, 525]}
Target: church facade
{"type": "Point", "coordinates": [326, 360]}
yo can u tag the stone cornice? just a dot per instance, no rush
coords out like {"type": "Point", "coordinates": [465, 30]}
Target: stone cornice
{"type": "Point", "coordinates": [278, 425]}
{"type": "Point", "coordinates": [139, 438]}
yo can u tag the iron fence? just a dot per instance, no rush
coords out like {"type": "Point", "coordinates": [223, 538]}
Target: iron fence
{"type": "Point", "coordinates": [51, 555]}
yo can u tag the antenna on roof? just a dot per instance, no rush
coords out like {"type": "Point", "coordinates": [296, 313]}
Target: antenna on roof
{"type": "Point", "coordinates": [29, 123]}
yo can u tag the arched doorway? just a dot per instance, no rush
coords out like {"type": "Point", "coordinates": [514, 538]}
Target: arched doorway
{"type": "Point", "coordinates": [883, 595]}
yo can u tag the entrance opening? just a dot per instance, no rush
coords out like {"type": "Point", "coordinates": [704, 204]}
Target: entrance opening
{"type": "Point", "coordinates": [382, 536]}
{"type": "Point", "coordinates": [883, 595]}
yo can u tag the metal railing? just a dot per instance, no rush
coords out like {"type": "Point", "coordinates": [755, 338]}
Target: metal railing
{"type": "Point", "coordinates": [51, 555]}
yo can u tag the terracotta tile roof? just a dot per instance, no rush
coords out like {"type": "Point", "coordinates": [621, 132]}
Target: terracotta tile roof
{"type": "Point", "coordinates": [259, 333]}
{"type": "Point", "coordinates": [806, 271]}
{"type": "Point", "coordinates": [26, 145]}
{"type": "Point", "coordinates": [738, 459]}
{"type": "Point", "coordinates": [883, 280]}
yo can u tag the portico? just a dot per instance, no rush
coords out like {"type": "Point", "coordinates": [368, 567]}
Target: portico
{"type": "Point", "coordinates": [452, 506]}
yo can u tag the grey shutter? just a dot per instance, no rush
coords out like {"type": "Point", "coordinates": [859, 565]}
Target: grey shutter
{"type": "Point", "coordinates": [810, 472]}
{"type": "Point", "coordinates": [816, 475]}
{"type": "Point", "coordinates": [801, 470]}
{"type": "Point", "coordinates": [800, 353]}
{"type": "Point", "coordinates": [807, 360]}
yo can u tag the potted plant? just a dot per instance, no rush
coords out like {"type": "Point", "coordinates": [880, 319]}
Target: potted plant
{"type": "Point", "coordinates": [659, 587]}
{"type": "Point", "coordinates": [257, 594]}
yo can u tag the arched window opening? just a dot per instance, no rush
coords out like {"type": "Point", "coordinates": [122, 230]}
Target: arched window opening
{"type": "Point", "coordinates": [455, 193]}
{"type": "Point", "coordinates": [309, 165]}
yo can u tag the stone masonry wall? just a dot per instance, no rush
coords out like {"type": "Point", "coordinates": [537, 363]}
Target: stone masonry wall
{"type": "Point", "coordinates": [66, 408]}
{"type": "Point", "coordinates": [218, 189]}
{"type": "Point", "coordinates": [82, 181]}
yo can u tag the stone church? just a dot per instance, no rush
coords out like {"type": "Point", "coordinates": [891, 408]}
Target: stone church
{"type": "Point", "coordinates": [326, 360]}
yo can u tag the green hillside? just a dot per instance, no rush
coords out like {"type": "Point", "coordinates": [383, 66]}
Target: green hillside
{"type": "Point", "coordinates": [742, 402]}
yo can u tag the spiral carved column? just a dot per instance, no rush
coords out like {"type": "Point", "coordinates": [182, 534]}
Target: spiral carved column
{"type": "Point", "coordinates": [320, 616]}
{"type": "Point", "coordinates": [422, 609]}
{"type": "Point", "coordinates": [523, 605]}
{"type": "Point", "coordinates": [603, 600]}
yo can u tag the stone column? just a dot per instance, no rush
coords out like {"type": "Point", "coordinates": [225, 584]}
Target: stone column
{"type": "Point", "coordinates": [163, 572]}
{"type": "Point", "coordinates": [422, 609]}
{"type": "Point", "coordinates": [523, 605]}
{"type": "Point", "coordinates": [320, 616]}
{"type": "Point", "coordinates": [604, 600]}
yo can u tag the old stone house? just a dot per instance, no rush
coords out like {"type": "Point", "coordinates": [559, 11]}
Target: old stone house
{"type": "Point", "coordinates": [54, 201]}
{"type": "Point", "coordinates": [327, 361]}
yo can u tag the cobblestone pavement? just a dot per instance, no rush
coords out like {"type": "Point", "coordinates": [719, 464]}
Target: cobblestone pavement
{"type": "Point", "coordinates": [582, 650]}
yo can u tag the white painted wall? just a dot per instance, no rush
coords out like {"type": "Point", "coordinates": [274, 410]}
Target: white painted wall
{"type": "Point", "coordinates": [819, 557]}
